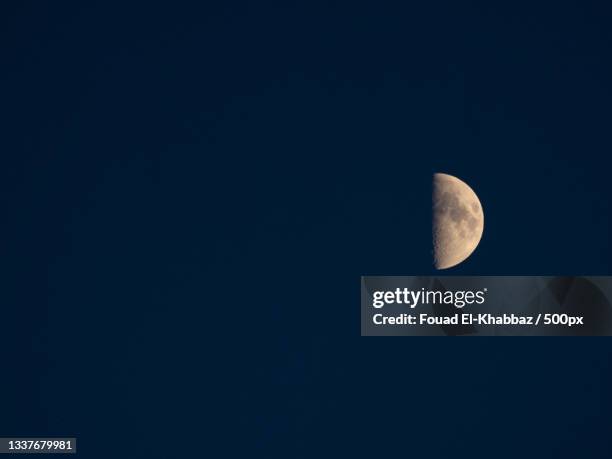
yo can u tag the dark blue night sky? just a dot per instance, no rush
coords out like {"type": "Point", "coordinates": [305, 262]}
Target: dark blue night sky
{"type": "Point", "coordinates": [190, 193]}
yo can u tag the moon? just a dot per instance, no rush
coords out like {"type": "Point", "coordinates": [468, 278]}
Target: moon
{"type": "Point", "coordinates": [457, 223]}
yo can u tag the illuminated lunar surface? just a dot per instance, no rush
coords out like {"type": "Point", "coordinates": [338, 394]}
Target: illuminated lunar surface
{"type": "Point", "coordinates": [458, 221]}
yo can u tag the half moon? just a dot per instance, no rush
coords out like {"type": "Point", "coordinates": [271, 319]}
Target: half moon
{"type": "Point", "coordinates": [458, 221]}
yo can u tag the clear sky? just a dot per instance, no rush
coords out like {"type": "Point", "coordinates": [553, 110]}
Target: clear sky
{"type": "Point", "coordinates": [190, 193]}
